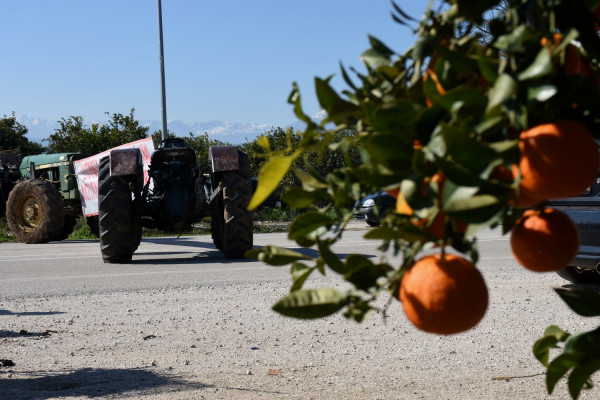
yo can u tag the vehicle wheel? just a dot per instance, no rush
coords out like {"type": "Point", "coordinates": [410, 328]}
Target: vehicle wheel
{"type": "Point", "coordinates": [372, 223]}
{"type": "Point", "coordinates": [237, 226]}
{"type": "Point", "coordinates": [217, 221]}
{"type": "Point", "coordinates": [92, 223]}
{"type": "Point", "coordinates": [579, 275]}
{"type": "Point", "coordinates": [35, 211]}
{"type": "Point", "coordinates": [118, 233]}
{"type": "Point", "coordinates": [68, 226]}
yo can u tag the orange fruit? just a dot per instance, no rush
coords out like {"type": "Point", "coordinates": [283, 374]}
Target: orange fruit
{"type": "Point", "coordinates": [558, 159]}
{"type": "Point", "coordinates": [393, 192]}
{"type": "Point", "coordinates": [443, 294]}
{"type": "Point", "coordinates": [544, 241]}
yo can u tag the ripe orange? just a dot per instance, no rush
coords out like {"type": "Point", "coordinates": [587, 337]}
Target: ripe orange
{"type": "Point", "coordinates": [443, 294]}
{"type": "Point", "coordinates": [558, 159]}
{"type": "Point", "coordinates": [544, 241]}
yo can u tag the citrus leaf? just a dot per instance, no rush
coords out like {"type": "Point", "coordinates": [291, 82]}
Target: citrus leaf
{"type": "Point", "coordinates": [557, 369]}
{"type": "Point", "coordinates": [331, 259]}
{"type": "Point", "coordinates": [307, 223]}
{"type": "Point", "coordinates": [541, 66]}
{"type": "Point", "coordinates": [363, 273]}
{"type": "Point", "coordinates": [296, 197]}
{"type": "Point", "coordinates": [585, 302]}
{"type": "Point", "coordinates": [504, 88]}
{"type": "Point", "coordinates": [300, 272]}
{"type": "Point", "coordinates": [580, 376]}
{"type": "Point", "coordinates": [269, 177]}
{"type": "Point", "coordinates": [278, 256]}
{"type": "Point", "coordinates": [310, 303]}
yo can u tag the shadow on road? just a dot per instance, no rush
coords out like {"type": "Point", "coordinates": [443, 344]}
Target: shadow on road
{"type": "Point", "coordinates": [91, 383]}
{"type": "Point", "coordinates": [29, 313]}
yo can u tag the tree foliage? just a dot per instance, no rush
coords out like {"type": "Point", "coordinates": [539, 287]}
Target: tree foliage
{"type": "Point", "coordinates": [322, 161]}
{"type": "Point", "coordinates": [74, 136]}
{"type": "Point", "coordinates": [453, 104]}
{"type": "Point", "coordinates": [12, 136]}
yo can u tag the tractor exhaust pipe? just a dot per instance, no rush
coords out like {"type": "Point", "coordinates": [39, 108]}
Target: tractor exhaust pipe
{"type": "Point", "coordinates": [162, 73]}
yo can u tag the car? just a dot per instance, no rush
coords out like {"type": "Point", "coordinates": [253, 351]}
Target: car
{"type": "Point", "coordinates": [365, 208]}
{"type": "Point", "coordinates": [584, 210]}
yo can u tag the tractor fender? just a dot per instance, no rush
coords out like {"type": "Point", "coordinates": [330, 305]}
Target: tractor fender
{"type": "Point", "coordinates": [223, 158]}
{"type": "Point", "coordinates": [126, 162]}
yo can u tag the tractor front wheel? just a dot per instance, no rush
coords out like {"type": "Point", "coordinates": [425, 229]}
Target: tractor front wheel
{"type": "Point", "coordinates": [119, 231]}
{"type": "Point", "coordinates": [35, 211]}
{"type": "Point", "coordinates": [233, 221]}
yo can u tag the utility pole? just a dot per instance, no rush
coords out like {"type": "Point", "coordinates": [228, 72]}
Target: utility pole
{"type": "Point", "coordinates": [162, 73]}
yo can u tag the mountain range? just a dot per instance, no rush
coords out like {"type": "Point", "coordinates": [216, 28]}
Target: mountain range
{"type": "Point", "coordinates": [230, 132]}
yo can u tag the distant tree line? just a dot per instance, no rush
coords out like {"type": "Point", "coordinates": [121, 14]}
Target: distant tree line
{"type": "Point", "coordinates": [73, 135]}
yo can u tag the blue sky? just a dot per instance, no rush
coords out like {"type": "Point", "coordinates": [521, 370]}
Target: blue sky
{"type": "Point", "coordinates": [229, 60]}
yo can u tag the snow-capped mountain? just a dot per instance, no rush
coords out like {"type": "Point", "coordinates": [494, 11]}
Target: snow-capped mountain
{"type": "Point", "coordinates": [230, 132]}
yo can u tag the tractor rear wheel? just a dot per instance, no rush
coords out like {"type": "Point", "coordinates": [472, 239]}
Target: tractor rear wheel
{"type": "Point", "coordinates": [35, 211]}
{"type": "Point", "coordinates": [237, 226]}
{"type": "Point", "coordinates": [117, 225]}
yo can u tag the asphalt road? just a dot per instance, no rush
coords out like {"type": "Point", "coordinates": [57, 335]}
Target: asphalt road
{"type": "Point", "coordinates": [181, 322]}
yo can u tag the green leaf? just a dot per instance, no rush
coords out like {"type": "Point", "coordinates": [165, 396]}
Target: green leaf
{"type": "Point", "coordinates": [310, 303]}
{"type": "Point", "coordinates": [325, 93]}
{"type": "Point", "coordinates": [263, 142]}
{"type": "Point", "coordinates": [541, 348]}
{"type": "Point", "coordinates": [584, 301]}
{"type": "Point", "coordinates": [363, 273]}
{"type": "Point", "coordinates": [310, 182]}
{"type": "Point", "coordinates": [269, 177]}
{"type": "Point", "coordinates": [278, 256]}
{"type": "Point", "coordinates": [331, 259]}
{"type": "Point", "coordinates": [504, 89]}
{"type": "Point", "coordinates": [380, 47]}
{"type": "Point", "coordinates": [541, 93]}
{"type": "Point", "coordinates": [552, 336]}
{"type": "Point", "coordinates": [580, 376]}
{"type": "Point", "coordinates": [296, 197]}
{"type": "Point", "coordinates": [541, 66]}
{"type": "Point", "coordinates": [557, 369]}
{"type": "Point", "coordinates": [300, 272]}
{"type": "Point", "coordinates": [295, 99]}
{"type": "Point", "coordinates": [476, 209]}
{"type": "Point", "coordinates": [307, 224]}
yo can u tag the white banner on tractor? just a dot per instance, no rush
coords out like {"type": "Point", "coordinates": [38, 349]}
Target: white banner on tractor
{"type": "Point", "coordinates": [87, 173]}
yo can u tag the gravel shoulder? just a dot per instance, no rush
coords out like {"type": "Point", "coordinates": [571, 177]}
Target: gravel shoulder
{"type": "Point", "coordinates": [220, 340]}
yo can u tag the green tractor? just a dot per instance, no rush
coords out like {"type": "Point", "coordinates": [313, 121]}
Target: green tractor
{"type": "Point", "coordinates": [40, 197]}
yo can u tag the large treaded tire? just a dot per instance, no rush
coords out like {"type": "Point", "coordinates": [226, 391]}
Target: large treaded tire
{"type": "Point", "coordinates": [35, 211]}
{"type": "Point", "coordinates": [237, 220]}
{"type": "Point", "coordinates": [577, 275]}
{"type": "Point", "coordinates": [217, 221]}
{"type": "Point", "coordinates": [118, 233]}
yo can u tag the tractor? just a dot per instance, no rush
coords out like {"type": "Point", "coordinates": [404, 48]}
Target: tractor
{"type": "Point", "coordinates": [177, 194]}
{"type": "Point", "coordinates": [39, 196]}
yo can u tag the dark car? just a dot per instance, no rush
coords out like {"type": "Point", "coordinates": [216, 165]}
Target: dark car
{"type": "Point", "coordinates": [584, 210]}
{"type": "Point", "coordinates": [365, 208]}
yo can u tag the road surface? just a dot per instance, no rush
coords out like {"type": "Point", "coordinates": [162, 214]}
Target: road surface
{"type": "Point", "coordinates": [181, 322]}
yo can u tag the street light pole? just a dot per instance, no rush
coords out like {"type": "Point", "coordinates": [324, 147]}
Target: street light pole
{"type": "Point", "coordinates": [162, 73]}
